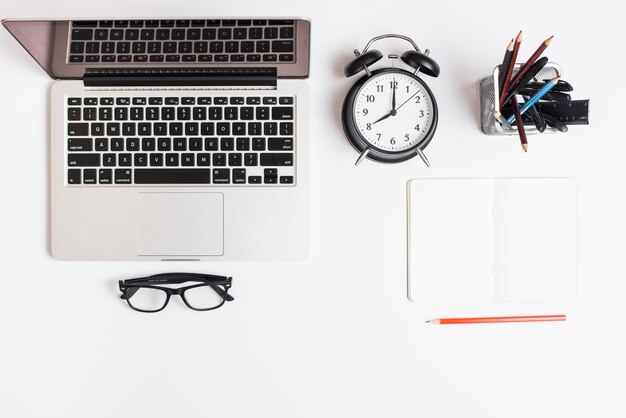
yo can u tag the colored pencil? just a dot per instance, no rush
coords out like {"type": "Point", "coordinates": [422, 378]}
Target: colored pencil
{"type": "Point", "coordinates": [509, 70]}
{"type": "Point", "coordinates": [495, 319]}
{"type": "Point", "coordinates": [520, 124]}
{"type": "Point", "coordinates": [506, 63]}
{"type": "Point", "coordinates": [531, 60]}
{"type": "Point", "coordinates": [546, 88]}
{"type": "Point", "coordinates": [555, 96]}
{"type": "Point", "coordinates": [530, 74]}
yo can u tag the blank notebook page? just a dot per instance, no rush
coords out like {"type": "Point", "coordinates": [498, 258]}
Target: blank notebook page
{"type": "Point", "coordinates": [492, 239]}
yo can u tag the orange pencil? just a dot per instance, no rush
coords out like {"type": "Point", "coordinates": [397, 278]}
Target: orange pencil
{"type": "Point", "coordinates": [495, 319]}
{"type": "Point", "coordinates": [509, 70]}
{"type": "Point", "coordinates": [531, 60]}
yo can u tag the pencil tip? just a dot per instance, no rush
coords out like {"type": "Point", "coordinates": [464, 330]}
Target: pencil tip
{"type": "Point", "coordinates": [549, 40]}
{"type": "Point", "coordinates": [525, 146]}
{"type": "Point", "coordinates": [519, 36]}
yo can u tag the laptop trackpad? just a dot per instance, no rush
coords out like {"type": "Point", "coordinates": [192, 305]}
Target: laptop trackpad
{"type": "Point", "coordinates": [180, 224]}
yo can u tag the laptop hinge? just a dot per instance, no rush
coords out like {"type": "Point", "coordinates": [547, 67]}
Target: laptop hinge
{"type": "Point", "coordinates": [141, 77]}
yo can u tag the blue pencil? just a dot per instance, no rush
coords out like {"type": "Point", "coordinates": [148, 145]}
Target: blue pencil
{"type": "Point", "coordinates": [536, 97]}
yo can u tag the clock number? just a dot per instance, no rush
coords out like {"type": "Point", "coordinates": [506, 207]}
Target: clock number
{"type": "Point", "coordinates": [421, 113]}
{"type": "Point", "coordinates": [407, 137]}
{"type": "Point", "coordinates": [407, 89]}
{"type": "Point", "coordinates": [368, 126]}
{"type": "Point", "coordinates": [378, 139]}
{"type": "Point", "coordinates": [379, 88]}
{"type": "Point", "coordinates": [370, 98]}
{"type": "Point", "coordinates": [418, 99]}
{"type": "Point", "coordinates": [365, 111]}
{"type": "Point", "coordinates": [393, 84]}
{"type": "Point", "coordinates": [417, 127]}
{"type": "Point", "coordinates": [392, 141]}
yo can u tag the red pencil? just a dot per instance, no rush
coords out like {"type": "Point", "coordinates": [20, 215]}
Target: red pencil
{"type": "Point", "coordinates": [519, 124]}
{"type": "Point", "coordinates": [531, 60]}
{"type": "Point", "coordinates": [494, 319]}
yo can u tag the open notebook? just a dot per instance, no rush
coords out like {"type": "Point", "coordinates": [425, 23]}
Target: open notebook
{"type": "Point", "coordinates": [509, 239]}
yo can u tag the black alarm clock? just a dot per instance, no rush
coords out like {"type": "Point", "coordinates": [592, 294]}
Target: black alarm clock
{"type": "Point", "coordinates": [390, 114]}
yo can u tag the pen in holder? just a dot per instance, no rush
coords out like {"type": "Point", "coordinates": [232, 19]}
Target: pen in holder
{"type": "Point", "coordinates": [490, 104]}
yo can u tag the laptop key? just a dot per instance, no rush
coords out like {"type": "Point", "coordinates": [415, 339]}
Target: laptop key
{"type": "Point", "coordinates": [105, 176]}
{"type": "Point", "coordinates": [74, 176]}
{"type": "Point", "coordinates": [282, 46]}
{"type": "Point", "coordinates": [109, 160]}
{"type": "Point", "coordinates": [83, 160]}
{"type": "Point", "coordinates": [239, 175]}
{"type": "Point", "coordinates": [282, 113]}
{"type": "Point", "coordinates": [286, 128]}
{"type": "Point", "coordinates": [92, 48]}
{"type": "Point", "coordinates": [250, 159]}
{"type": "Point", "coordinates": [78, 129]}
{"type": "Point", "coordinates": [254, 179]}
{"type": "Point", "coordinates": [221, 175]}
{"type": "Point", "coordinates": [172, 176]}
{"type": "Point", "coordinates": [280, 144]}
{"type": "Point", "coordinates": [123, 176]}
{"type": "Point", "coordinates": [77, 47]}
{"type": "Point", "coordinates": [276, 159]}
{"type": "Point", "coordinates": [156, 159]}
{"type": "Point", "coordinates": [85, 23]}
{"type": "Point", "coordinates": [82, 34]}
{"type": "Point", "coordinates": [89, 176]}
{"type": "Point", "coordinates": [73, 113]}
{"type": "Point", "coordinates": [270, 57]}
{"type": "Point", "coordinates": [79, 144]}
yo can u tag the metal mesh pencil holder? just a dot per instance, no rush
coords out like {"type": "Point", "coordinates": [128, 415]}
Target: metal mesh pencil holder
{"type": "Point", "coordinates": [489, 92]}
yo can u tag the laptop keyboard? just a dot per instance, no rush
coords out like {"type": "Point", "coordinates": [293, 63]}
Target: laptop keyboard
{"type": "Point", "coordinates": [165, 139]}
{"type": "Point", "coordinates": [172, 41]}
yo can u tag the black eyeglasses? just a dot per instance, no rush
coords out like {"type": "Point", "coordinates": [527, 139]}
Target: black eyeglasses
{"type": "Point", "coordinates": [147, 294]}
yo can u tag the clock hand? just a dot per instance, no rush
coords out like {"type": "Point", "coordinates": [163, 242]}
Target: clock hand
{"type": "Point", "coordinates": [383, 118]}
{"type": "Point", "coordinates": [393, 104]}
{"type": "Point", "coordinates": [393, 97]}
{"type": "Point", "coordinates": [406, 101]}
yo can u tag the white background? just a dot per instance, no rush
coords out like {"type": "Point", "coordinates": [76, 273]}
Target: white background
{"type": "Point", "coordinates": [334, 336]}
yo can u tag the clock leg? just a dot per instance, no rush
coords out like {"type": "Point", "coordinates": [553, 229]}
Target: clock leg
{"type": "Point", "coordinates": [422, 156]}
{"type": "Point", "coordinates": [362, 156]}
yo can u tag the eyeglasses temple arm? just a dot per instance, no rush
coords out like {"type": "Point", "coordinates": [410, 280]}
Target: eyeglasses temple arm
{"type": "Point", "coordinates": [222, 293]}
{"type": "Point", "coordinates": [129, 292]}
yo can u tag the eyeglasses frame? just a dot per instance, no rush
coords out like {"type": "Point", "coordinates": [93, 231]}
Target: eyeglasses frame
{"type": "Point", "coordinates": [176, 278]}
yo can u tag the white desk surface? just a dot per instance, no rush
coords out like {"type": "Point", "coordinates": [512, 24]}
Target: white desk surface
{"type": "Point", "coordinates": [334, 336]}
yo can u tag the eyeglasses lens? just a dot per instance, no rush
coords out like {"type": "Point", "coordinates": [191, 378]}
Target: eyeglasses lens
{"type": "Point", "coordinates": [147, 299]}
{"type": "Point", "coordinates": [205, 297]}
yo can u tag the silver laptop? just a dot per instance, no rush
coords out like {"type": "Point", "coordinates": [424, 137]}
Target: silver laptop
{"type": "Point", "coordinates": [176, 139]}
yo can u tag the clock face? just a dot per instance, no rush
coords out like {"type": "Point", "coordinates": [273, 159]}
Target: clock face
{"type": "Point", "coordinates": [391, 123]}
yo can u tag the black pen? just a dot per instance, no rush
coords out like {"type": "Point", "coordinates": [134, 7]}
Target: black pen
{"type": "Point", "coordinates": [556, 96]}
{"type": "Point", "coordinates": [538, 120]}
{"type": "Point", "coordinates": [562, 85]}
{"type": "Point", "coordinates": [554, 122]}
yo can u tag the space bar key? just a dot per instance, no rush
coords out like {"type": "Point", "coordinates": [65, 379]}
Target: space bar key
{"type": "Point", "coordinates": [172, 176]}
